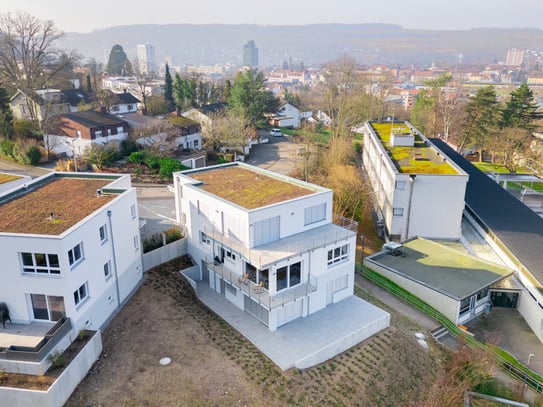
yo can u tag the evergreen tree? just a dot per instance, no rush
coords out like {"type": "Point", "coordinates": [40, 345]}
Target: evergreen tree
{"type": "Point", "coordinates": [483, 118]}
{"type": "Point", "coordinates": [520, 110]}
{"type": "Point", "coordinates": [6, 118]}
{"type": "Point", "coordinates": [168, 89]}
{"type": "Point", "coordinates": [118, 63]}
{"type": "Point", "coordinates": [89, 86]}
{"type": "Point", "coordinates": [248, 98]}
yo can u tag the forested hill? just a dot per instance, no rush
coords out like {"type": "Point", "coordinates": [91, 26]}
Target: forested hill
{"type": "Point", "coordinates": [314, 44]}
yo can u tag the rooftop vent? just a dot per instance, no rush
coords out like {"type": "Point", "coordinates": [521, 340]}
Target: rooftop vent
{"type": "Point", "coordinates": [99, 192]}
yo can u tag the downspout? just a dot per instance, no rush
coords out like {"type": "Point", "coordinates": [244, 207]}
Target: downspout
{"type": "Point", "coordinates": [412, 186]}
{"type": "Point", "coordinates": [114, 261]}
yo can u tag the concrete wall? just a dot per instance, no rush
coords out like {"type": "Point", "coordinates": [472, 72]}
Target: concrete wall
{"type": "Point", "coordinates": [444, 304]}
{"type": "Point", "coordinates": [164, 254]}
{"type": "Point", "coordinates": [63, 387]}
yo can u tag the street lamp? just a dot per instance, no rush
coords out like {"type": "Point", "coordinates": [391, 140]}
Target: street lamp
{"type": "Point", "coordinates": [530, 356]}
{"type": "Point", "coordinates": [363, 238]}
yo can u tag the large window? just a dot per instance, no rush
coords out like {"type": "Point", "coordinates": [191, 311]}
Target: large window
{"type": "Point", "coordinates": [338, 255]}
{"type": "Point", "coordinates": [75, 255]}
{"type": "Point", "coordinates": [41, 263]}
{"type": "Point", "coordinates": [81, 293]}
{"type": "Point", "coordinates": [47, 307]}
{"type": "Point", "coordinates": [315, 214]}
{"type": "Point", "coordinates": [289, 276]}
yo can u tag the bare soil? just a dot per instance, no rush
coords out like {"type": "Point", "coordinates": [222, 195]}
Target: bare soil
{"type": "Point", "coordinates": [213, 365]}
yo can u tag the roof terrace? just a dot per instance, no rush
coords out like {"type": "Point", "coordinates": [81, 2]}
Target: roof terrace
{"type": "Point", "coordinates": [249, 188]}
{"type": "Point", "coordinates": [52, 206]}
{"type": "Point", "coordinates": [421, 158]}
{"type": "Point", "coordinates": [5, 178]}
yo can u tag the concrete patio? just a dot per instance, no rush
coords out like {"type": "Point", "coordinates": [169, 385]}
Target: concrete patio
{"type": "Point", "coordinates": [23, 334]}
{"type": "Point", "coordinates": [308, 341]}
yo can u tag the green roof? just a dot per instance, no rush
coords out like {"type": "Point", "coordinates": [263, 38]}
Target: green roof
{"type": "Point", "coordinates": [419, 159]}
{"type": "Point", "coordinates": [449, 271]}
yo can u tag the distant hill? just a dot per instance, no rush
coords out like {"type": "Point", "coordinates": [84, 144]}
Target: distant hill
{"type": "Point", "coordinates": [313, 44]}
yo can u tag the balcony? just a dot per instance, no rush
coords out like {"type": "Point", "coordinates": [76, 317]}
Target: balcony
{"type": "Point", "coordinates": [261, 295]}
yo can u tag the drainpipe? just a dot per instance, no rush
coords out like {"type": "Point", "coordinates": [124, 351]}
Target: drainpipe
{"type": "Point", "coordinates": [114, 261]}
{"type": "Point", "coordinates": [412, 186]}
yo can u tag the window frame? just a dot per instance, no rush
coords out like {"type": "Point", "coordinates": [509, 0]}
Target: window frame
{"type": "Point", "coordinates": [107, 270]}
{"type": "Point", "coordinates": [81, 294]}
{"type": "Point", "coordinates": [39, 269]}
{"type": "Point", "coordinates": [397, 211]}
{"type": "Point", "coordinates": [337, 255]}
{"type": "Point", "coordinates": [76, 255]}
{"type": "Point", "coordinates": [102, 231]}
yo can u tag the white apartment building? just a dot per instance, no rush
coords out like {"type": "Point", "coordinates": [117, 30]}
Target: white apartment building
{"type": "Point", "coordinates": [146, 58]}
{"type": "Point", "coordinates": [264, 241]}
{"type": "Point", "coordinates": [70, 248]}
{"type": "Point", "coordinates": [419, 191]}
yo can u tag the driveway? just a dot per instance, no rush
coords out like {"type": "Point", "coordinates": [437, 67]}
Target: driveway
{"type": "Point", "coordinates": [278, 155]}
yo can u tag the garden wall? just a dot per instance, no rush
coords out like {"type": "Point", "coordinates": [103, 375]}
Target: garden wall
{"type": "Point", "coordinates": [63, 387]}
{"type": "Point", "coordinates": [164, 254]}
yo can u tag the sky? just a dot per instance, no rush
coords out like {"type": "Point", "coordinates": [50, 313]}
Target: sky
{"type": "Point", "coordinates": [79, 16]}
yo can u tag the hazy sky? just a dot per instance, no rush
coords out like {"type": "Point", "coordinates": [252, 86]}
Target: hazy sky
{"type": "Point", "coordinates": [85, 16]}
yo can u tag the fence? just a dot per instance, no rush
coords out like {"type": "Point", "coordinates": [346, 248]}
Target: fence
{"type": "Point", "coordinates": [503, 359]}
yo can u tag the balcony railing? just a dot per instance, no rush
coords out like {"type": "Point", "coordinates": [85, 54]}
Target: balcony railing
{"type": "Point", "coordinates": [260, 294]}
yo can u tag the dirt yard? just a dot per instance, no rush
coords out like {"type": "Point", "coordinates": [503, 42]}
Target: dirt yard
{"type": "Point", "coordinates": [213, 365]}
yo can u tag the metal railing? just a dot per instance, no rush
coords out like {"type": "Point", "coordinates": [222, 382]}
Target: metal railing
{"type": "Point", "coordinates": [261, 294]}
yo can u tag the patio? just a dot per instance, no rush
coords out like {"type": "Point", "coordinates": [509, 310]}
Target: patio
{"type": "Point", "coordinates": [23, 334]}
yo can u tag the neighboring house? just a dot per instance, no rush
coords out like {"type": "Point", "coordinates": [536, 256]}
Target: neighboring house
{"type": "Point", "coordinates": [122, 103]}
{"type": "Point", "coordinates": [46, 103]}
{"type": "Point", "coordinates": [70, 249]}
{"type": "Point", "coordinates": [458, 285]}
{"type": "Point", "coordinates": [266, 242]}
{"type": "Point", "coordinates": [204, 114]}
{"type": "Point", "coordinates": [418, 189]}
{"type": "Point", "coordinates": [78, 131]}
{"type": "Point", "coordinates": [288, 115]}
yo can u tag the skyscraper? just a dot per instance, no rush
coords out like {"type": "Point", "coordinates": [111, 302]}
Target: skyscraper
{"type": "Point", "coordinates": [515, 57]}
{"type": "Point", "coordinates": [250, 54]}
{"type": "Point", "coordinates": [146, 58]}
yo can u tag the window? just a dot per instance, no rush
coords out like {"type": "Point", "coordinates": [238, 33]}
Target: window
{"type": "Point", "coordinates": [41, 263]}
{"type": "Point", "coordinates": [78, 133]}
{"type": "Point", "coordinates": [103, 233]}
{"type": "Point", "coordinates": [400, 185]}
{"type": "Point", "coordinates": [75, 255]}
{"type": "Point", "coordinates": [130, 107]}
{"type": "Point", "coordinates": [397, 211]}
{"type": "Point", "coordinates": [315, 214]}
{"type": "Point", "coordinates": [47, 307]}
{"type": "Point", "coordinates": [338, 255]}
{"type": "Point", "coordinates": [120, 130]}
{"type": "Point", "coordinates": [109, 132]}
{"type": "Point", "coordinates": [205, 238]}
{"type": "Point", "coordinates": [98, 133]}
{"type": "Point", "coordinates": [81, 294]}
{"type": "Point", "coordinates": [195, 143]}
{"type": "Point", "coordinates": [115, 108]}
{"type": "Point", "coordinates": [133, 211]}
{"type": "Point", "coordinates": [107, 270]}
{"type": "Point", "coordinates": [289, 276]}
{"type": "Point", "coordinates": [136, 243]}
{"type": "Point", "coordinates": [229, 254]}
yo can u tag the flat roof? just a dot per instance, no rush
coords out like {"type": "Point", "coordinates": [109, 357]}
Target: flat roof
{"type": "Point", "coordinates": [422, 158]}
{"type": "Point", "coordinates": [67, 199]}
{"type": "Point", "coordinates": [518, 227]}
{"type": "Point", "coordinates": [448, 271]}
{"type": "Point", "coordinates": [5, 178]}
{"type": "Point", "coordinates": [248, 187]}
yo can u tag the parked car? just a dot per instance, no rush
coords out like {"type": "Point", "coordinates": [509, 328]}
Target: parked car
{"type": "Point", "coordinates": [276, 132]}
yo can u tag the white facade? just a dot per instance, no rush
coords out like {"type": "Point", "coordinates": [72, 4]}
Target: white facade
{"type": "Point", "coordinates": [278, 262]}
{"type": "Point", "coordinates": [422, 204]}
{"type": "Point", "coordinates": [75, 147]}
{"type": "Point", "coordinates": [85, 272]}
{"type": "Point", "coordinates": [146, 58]}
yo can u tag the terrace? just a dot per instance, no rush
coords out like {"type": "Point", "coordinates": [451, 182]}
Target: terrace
{"type": "Point", "coordinates": [248, 188]}
{"type": "Point", "coordinates": [5, 178]}
{"type": "Point", "coordinates": [418, 159]}
{"type": "Point", "coordinates": [53, 205]}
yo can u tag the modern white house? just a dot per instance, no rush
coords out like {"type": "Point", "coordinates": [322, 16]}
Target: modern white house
{"type": "Point", "coordinates": [266, 242]}
{"type": "Point", "coordinates": [70, 248]}
{"type": "Point", "coordinates": [418, 189]}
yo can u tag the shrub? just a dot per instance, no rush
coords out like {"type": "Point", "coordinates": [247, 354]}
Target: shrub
{"type": "Point", "coordinates": [169, 166]}
{"type": "Point", "coordinates": [99, 155]}
{"type": "Point", "coordinates": [152, 161]}
{"type": "Point", "coordinates": [56, 358]}
{"type": "Point", "coordinates": [27, 154]}
{"type": "Point", "coordinates": [128, 146]}
{"type": "Point", "coordinates": [172, 235]}
{"type": "Point", "coordinates": [7, 147]}
{"type": "Point", "coordinates": [137, 157]}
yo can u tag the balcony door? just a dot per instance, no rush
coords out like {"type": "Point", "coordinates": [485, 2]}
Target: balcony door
{"type": "Point", "coordinates": [47, 307]}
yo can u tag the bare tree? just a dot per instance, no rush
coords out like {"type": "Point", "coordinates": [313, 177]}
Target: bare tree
{"type": "Point", "coordinates": [28, 58]}
{"type": "Point", "coordinates": [227, 130]}
{"type": "Point", "coordinates": [143, 80]}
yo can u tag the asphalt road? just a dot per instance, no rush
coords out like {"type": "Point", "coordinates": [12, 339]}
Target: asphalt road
{"type": "Point", "coordinates": [278, 155]}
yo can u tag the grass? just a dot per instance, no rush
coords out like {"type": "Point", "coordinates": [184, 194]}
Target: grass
{"type": "Point", "coordinates": [4, 178]}
{"type": "Point", "coordinates": [247, 188]}
{"type": "Point", "coordinates": [322, 136]}
{"type": "Point", "coordinates": [418, 159]}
